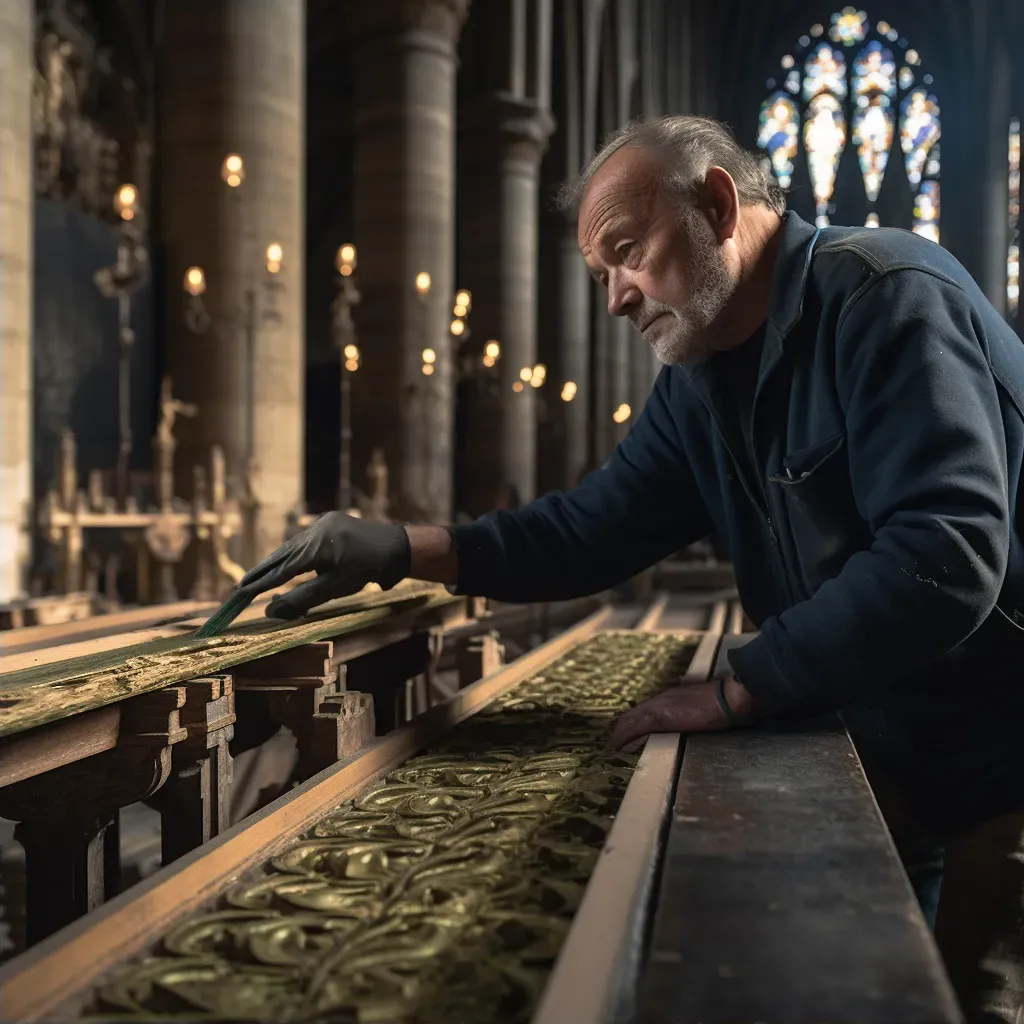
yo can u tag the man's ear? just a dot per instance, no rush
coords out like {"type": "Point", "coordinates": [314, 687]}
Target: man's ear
{"type": "Point", "coordinates": [720, 202]}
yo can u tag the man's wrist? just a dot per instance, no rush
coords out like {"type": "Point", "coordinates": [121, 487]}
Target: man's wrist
{"type": "Point", "coordinates": [432, 554]}
{"type": "Point", "coordinates": [738, 697]}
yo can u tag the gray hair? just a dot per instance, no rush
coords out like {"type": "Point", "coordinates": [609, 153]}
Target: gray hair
{"type": "Point", "coordinates": [691, 146]}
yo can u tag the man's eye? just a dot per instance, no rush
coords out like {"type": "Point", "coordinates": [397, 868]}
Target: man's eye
{"type": "Point", "coordinates": [625, 251]}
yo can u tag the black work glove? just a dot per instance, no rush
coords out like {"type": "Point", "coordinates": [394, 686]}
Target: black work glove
{"type": "Point", "coordinates": [345, 552]}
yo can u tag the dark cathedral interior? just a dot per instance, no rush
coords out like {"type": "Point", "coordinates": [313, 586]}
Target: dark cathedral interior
{"type": "Point", "coordinates": [390, 635]}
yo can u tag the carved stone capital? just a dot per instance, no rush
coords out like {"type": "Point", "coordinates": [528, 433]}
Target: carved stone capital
{"type": "Point", "coordinates": [506, 127]}
{"type": "Point", "coordinates": [377, 19]}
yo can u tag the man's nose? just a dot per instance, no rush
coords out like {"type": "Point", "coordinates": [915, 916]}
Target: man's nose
{"type": "Point", "coordinates": [622, 296]}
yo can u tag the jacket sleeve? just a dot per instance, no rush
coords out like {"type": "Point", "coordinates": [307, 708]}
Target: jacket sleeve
{"type": "Point", "coordinates": [639, 508]}
{"type": "Point", "coordinates": [927, 458]}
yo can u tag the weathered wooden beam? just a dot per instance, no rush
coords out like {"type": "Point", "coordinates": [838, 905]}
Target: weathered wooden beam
{"type": "Point", "coordinates": [37, 638]}
{"type": "Point", "coordinates": [42, 694]}
{"type": "Point", "coordinates": [23, 755]}
{"type": "Point", "coordinates": [781, 895]}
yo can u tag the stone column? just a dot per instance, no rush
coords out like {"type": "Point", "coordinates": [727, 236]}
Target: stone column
{"type": "Point", "coordinates": [16, 246]}
{"type": "Point", "coordinates": [504, 140]}
{"type": "Point", "coordinates": [615, 342]}
{"type": "Point", "coordinates": [404, 68]}
{"type": "Point", "coordinates": [232, 81]}
{"type": "Point", "coordinates": [993, 190]}
{"type": "Point", "coordinates": [565, 286]}
{"type": "Point", "coordinates": [504, 126]}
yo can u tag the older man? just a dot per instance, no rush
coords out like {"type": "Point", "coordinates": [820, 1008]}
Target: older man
{"type": "Point", "coordinates": [845, 410]}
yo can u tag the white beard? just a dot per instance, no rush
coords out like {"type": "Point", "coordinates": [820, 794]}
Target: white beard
{"type": "Point", "coordinates": [684, 337]}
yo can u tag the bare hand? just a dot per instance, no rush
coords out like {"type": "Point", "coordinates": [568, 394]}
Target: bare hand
{"type": "Point", "coordinates": [691, 707]}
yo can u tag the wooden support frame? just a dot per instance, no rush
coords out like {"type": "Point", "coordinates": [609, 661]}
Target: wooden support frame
{"type": "Point", "coordinates": [44, 981]}
{"type": "Point", "coordinates": [68, 817]}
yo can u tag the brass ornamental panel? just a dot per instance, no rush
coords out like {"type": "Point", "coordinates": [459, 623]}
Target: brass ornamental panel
{"type": "Point", "coordinates": [443, 893]}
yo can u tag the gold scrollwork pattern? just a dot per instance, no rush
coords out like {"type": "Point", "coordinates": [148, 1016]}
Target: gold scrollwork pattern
{"type": "Point", "coordinates": [443, 893]}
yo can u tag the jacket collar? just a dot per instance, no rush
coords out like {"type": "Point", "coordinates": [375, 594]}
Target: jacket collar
{"type": "Point", "coordinates": [792, 266]}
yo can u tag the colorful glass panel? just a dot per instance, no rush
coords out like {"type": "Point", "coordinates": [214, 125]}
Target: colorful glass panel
{"type": "Point", "coordinates": [888, 88]}
{"type": "Point", "coordinates": [824, 139]}
{"type": "Point", "coordinates": [779, 134]}
{"type": "Point", "coordinates": [824, 71]}
{"type": "Point", "coordinates": [927, 210]}
{"type": "Point", "coordinates": [849, 26]}
{"type": "Point", "coordinates": [874, 87]}
{"type": "Point", "coordinates": [919, 132]}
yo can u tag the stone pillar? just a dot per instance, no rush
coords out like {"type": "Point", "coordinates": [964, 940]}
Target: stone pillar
{"type": "Point", "coordinates": [567, 458]}
{"type": "Point", "coordinates": [566, 288]}
{"type": "Point", "coordinates": [993, 190]}
{"type": "Point", "coordinates": [616, 343]}
{"type": "Point", "coordinates": [504, 140]}
{"type": "Point", "coordinates": [16, 246]}
{"type": "Point", "coordinates": [654, 47]}
{"type": "Point", "coordinates": [504, 128]}
{"type": "Point", "coordinates": [232, 81]}
{"type": "Point", "coordinates": [404, 202]}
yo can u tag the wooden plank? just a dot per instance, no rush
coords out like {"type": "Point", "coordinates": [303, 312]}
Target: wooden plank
{"type": "Point", "coordinates": [313, 659]}
{"type": "Point", "coordinates": [22, 660]}
{"type": "Point", "coordinates": [40, 982]}
{"type": "Point", "coordinates": [30, 638]}
{"type": "Point", "coordinates": [653, 615]}
{"type": "Point", "coordinates": [782, 897]}
{"type": "Point", "coordinates": [36, 696]}
{"type": "Point", "coordinates": [595, 974]}
{"type": "Point", "coordinates": [735, 625]}
{"type": "Point", "coordinates": [31, 753]}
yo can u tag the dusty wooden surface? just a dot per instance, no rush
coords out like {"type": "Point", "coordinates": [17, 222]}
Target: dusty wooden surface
{"type": "Point", "coordinates": [781, 896]}
{"type": "Point", "coordinates": [34, 638]}
{"type": "Point", "coordinates": [39, 694]}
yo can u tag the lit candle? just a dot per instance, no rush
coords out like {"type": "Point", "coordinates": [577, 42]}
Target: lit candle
{"type": "Point", "coordinates": [195, 281]}
{"type": "Point", "coordinates": [345, 261]}
{"type": "Point", "coordinates": [125, 201]}
{"type": "Point", "coordinates": [232, 171]}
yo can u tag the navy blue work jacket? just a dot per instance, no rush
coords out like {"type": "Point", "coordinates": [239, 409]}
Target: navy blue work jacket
{"type": "Point", "coordinates": [875, 535]}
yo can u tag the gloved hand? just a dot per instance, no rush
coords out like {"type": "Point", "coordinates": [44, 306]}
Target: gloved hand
{"type": "Point", "coordinates": [346, 553]}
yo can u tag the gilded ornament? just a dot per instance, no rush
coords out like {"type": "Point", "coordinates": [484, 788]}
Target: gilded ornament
{"type": "Point", "coordinates": [442, 893]}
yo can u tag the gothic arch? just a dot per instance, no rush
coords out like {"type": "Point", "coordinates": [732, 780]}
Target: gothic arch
{"type": "Point", "coordinates": [851, 125]}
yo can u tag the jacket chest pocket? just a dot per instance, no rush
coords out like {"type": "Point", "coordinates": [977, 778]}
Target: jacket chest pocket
{"type": "Point", "coordinates": [825, 526]}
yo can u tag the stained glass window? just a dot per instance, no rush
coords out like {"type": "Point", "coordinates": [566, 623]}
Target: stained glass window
{"type": "Point", "coordinates": [778, 134]}
{"type": "Point", "coordinates": [926, 211]}
{"type": "Point", "coordinates": [856, 81]}
{"type": "Point", "coordinates": [1013, 254]}
{"type": "Point", "coordinates": [874, 87]}
{"type": "Point", "coordinates": [919, 131]}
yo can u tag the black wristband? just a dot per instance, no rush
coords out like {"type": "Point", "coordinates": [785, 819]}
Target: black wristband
{"type": "Point", "coordinates": [730, 716]}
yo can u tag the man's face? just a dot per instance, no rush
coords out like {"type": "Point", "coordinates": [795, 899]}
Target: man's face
{"type": "Point", "coordinates": [662, 265]}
